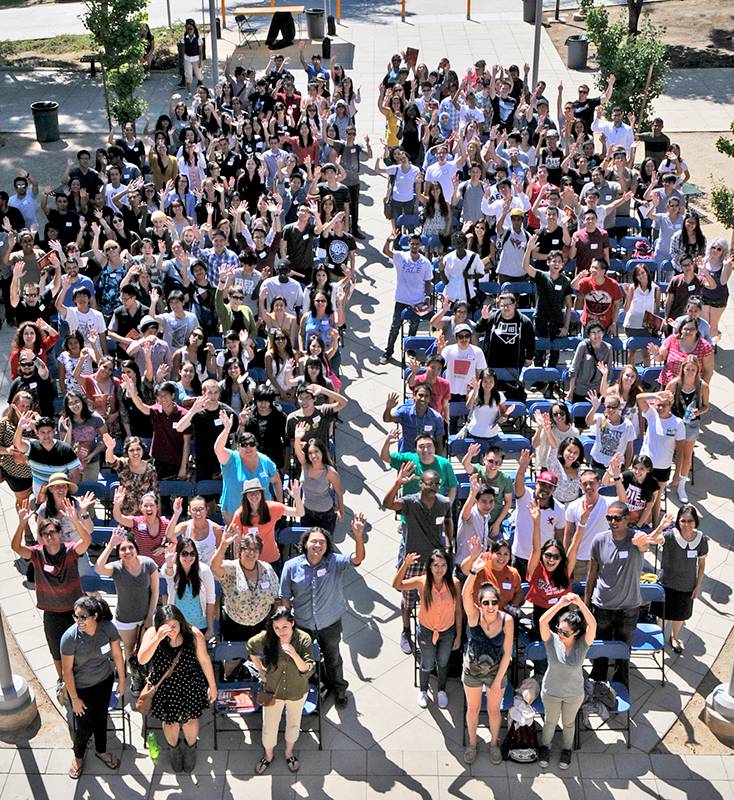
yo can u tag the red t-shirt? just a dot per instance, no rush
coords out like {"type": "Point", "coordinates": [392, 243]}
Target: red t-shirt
{"type": "Point", "coordinates": [57, 578]}
{"type": "Point", "coordinates": [590, 246]}
{"type": "Point", "coordinates": [599, 300]}
{"type": "Point", "coordinates": [147, 543]}
{"type": "Point", "coordinates": [440, 392]}
{"type": "Point", "coordinates": [542, 591]}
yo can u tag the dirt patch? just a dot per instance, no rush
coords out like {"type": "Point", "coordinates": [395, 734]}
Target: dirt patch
{"type": "Point", "coordinates": [707, 32]}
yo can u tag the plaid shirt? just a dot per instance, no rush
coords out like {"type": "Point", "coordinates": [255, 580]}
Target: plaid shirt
{"type": "Point", "coordinates": [214, 262]}
{"type": "Point", "coordinates": [454, 113]}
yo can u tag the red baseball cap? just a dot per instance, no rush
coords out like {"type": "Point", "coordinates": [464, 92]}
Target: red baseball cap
{"type": "Point", "coordinates": [546, 476]}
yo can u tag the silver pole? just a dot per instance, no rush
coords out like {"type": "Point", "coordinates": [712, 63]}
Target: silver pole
{"type": "Point", "coordinates": [6, 676]}
{"type": "Point", "coordinates": [17, 703]}
{"type": "Point", "coordinates": [536, 43]}
{"type": "Point", "coordinates": [168, 11]}
{"type": "Point", "coordinates": [213, 32]}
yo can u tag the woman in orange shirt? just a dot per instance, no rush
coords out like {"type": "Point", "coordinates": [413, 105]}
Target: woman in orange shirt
{"type": "Point", "coordinates": [439, 618]}
{"type": "Point", "coordinates": [258, 515]}
{"type": "Point", "coordinates": [504, 578]}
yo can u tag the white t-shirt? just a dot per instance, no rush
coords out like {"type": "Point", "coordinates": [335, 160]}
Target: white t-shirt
{"type": "Point", "coordinates": [410, 278]}
{"type": "Point", "coordinates": [291, 292]}
{"type": "Point", "coordinates": [493, 208]}
{"type": "Point", "coordinates": [85, 322]}
{"type": "Point", "coordinates": [551, 519]}
{"type": "Point", "coordinates": [443, 175]}
{"type": "Point", "coordinates": [610, 439]}
{"type": "Point", "coordinates": [403, 190]}
{"type": "Point", "coordinates": [660, 438]}
{"type": "Point", "coordinates": [454, 268]}
{"type": "Point", "coordinates": [597, 522]}
{"type": "Point", "coordinates": [513, 252]}
{"type": "Point", "coordinates": [462, 364]}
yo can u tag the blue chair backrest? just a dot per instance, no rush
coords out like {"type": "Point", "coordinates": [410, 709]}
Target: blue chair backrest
{"type": "Point", "coordinates": [176, 488]}
{"type": "Point", "coordinates": [97, 583]}
{"type": "Point", "coordinates": [210, 487]}
{"type": "Point", "coordinates": [535, 651]}
{"type": "Point", "coordinates": [544, 406]}
{"type": "Point", "coordinates": [540, 374]}
{"type": "Point", "coordinates": [652, 593]}
{"type": "Point", "coordinates": [101, 534]}
{"type": "Point", "coordinates": [457, 408]}
{"type": "Point", "coordinates": [290, 536]}
{"type": "Point", "coordinates": [518, 287]}
{"type": "Point", "coordinates": [611, 649]}
{"type": "Point", "coordinates": [229, 651]}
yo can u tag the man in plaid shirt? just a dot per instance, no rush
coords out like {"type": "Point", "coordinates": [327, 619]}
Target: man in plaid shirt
{"type": "Point", "coordinates": [215, 257]}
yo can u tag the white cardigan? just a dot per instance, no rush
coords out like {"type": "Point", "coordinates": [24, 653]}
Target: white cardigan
{"type": "Point", "coordinates": [207, 593]}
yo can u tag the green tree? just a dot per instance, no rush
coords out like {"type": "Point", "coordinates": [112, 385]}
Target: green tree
{"type": "Point", "coordinates": [639, 61]}
{"type": "Point", "coordinates": [722, 196]}
{"type": "Point", "coordinates": [116, 27]}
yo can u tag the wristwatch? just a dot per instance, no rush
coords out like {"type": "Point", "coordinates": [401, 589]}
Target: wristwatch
{"type": "Point", "coordinates": [472, 571]}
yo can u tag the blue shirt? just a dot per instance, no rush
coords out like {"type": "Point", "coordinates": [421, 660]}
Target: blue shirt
{"type": "Point", "coordinates": [81, 282]}
{"type": "Point", "coordinates": [234, 474]}
{"type": "Point", "coordinates": [413, 423]}
{"type": "Point", "coordinates": [318, 599]}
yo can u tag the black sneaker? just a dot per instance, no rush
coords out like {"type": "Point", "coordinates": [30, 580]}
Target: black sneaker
{"type": "Point", "coordinates": [565, 760]}
{"type": "Point", "coordinates": [341, 700]}
{"type": "Point", "coordinates": [385, 358]}
{"type": "Point", "coordinates": [543, 756]}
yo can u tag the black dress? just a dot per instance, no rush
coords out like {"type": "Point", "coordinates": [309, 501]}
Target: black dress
{"type": "Point", "coordinates": [184, 694]}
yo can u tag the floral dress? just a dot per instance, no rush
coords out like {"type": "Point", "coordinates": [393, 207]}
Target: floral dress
{"type": "Point", "coordinates": [135, 485]}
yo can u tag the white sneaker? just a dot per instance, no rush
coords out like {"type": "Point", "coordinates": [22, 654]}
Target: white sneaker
{"type": "Point", "coordinates": [443, 699]}
{"type": "Point", "coordinates": [682, 496]}
{"type": "Point", "coordinates": [423, 699]}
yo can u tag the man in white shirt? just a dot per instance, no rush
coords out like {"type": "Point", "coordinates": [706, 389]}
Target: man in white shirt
{"type": "Point", "coordinates": [82, 317]}
{"type": "Point", "coordinates": [460, 268]}
{"type": "Point", "coordinates": [597, 506]}
{"type": "Point", "coordinates": [26, 202]}
{"type": "Point", "coordinates": [493, 208]}
{"type": "Point", "coordinates": [282, 285]}
{"type": "Point", "coordinates": [616, 132]}
{"type": "Point", "coordinates": [511, 244]}
{"type": "Point", "coordinates": [406, 183]}
{"type": "Point", "coordinates": [463, 361]}
{"type": "Point", "coordinates": [443, 171]}
{"type": "Point", "coordinates": [413, 287]}
{"type": "Point", "coordinates": [552, 513]}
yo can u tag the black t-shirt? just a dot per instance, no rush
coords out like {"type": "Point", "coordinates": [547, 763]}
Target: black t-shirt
{"type": "Point", "coordinates": [552, 158]}
{"type": "Point", "coordinates": [60, 455]}
{"type": "Point", "coordinates": [299, 248]}
{"type": "Point", "coordinates": [42, 391]}
{"type": "Point", "coordinates": [548, 241]}
{"type": "Point", "coordinates": [270, 434]}
{"type": "Point", "coordinates": [638, 494]}
{"type": "Point", "coordinates": [66, 224]}
{"type": "Point", "coordinates": [134, 153]}
{"type": "Point", "coordinates": [585, 111]}
{"type": "Point", "coordinates": [503, 112]}
{"type": "Point", "coordinates": [338, 248]}
{"type": "Point", "coordinates": [578, 179]}
{"type": "Point", "coordinates": [17, 222]}
{"type": "Point", "coordinates": [91, 181]}
{"type": "Point", "coordinates": [261, 103]}
{"type": "Point", "coordinates": [552, 295]}
{"type": "Point", "coordinates": [318, 424]}
{"type": "Point", "coordinates": [231, 164]}
{"type": "Point", "coordinates": [43, 309]}
{"type": "Point", "coordinates": [124, 321]}
{"type": "Point", "coordinates": [206, 427]}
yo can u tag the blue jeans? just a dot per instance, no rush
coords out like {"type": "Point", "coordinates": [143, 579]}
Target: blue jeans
{"type": "Point", "coordinates": [434, 655]}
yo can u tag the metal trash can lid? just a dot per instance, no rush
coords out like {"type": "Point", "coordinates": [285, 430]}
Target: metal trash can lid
{"type": "Point", "coordinates": [578, 37]}
{"type": "Point", "coordinates": [44, 105]}
{"type": "Point", "coordinates": [318, 12]}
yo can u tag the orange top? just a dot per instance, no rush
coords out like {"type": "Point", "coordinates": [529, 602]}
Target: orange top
{"type": "Point", "coordinates": [266, 531]}
{"type": "Point", "coordinates": [507, 581]}
{"type": "Point", "coordinates": [442, 612]}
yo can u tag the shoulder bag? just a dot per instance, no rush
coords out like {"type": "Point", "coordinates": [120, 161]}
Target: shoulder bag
{"type": "Point", "coordinates": [144, 703]}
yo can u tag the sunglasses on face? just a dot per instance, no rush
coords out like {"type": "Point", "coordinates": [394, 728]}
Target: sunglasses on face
{"type": "Point", "coordinates": [81, 617]}
{"type": "Point", "coordinates": [463, 336]}
{"type": "Point", "coordinates": [565, 634]}
{"type": "Point", "coordinates": [614, 517]}
{"type": "Point", "coordinates": [490, 602]}
{"type": "Point", "coordinates": [188, 554]}
{"type": "Point", "coordinates": [552, 556]}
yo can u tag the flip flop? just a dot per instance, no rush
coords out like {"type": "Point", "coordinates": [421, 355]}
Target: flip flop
{"type": "Point", "coordinates": [262, 765]}
{"type": "Point", "coordinates": [76, 772]}
{"type": "Point", "coordinates": [293, 763]}
{"type": "Point", "coordinates": [110, 761]}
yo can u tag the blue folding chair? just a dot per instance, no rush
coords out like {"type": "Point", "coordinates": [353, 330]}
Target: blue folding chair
{"type": "Point", "coordinates": [650, 376]}
{"type": "Point", "coordinates": [618, 651]}
{"type": "Point", "coordinates": [97, 583]}
{"type": "Point", "coordinates": [648, 639]}
{"type": "Point", "coordinates": [288, 538]}
{"type": "Point", "coordinates": [408, 221]}
{"type": "Point", "coordinates": [208, 488]}
{"type": "Point", "coordinates": [230, 651]}
{"type": "Point", "coordinates": [176, 488]}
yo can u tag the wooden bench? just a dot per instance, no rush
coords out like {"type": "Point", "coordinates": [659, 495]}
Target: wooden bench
{"type": "Point", "coordinates": [92, 59]}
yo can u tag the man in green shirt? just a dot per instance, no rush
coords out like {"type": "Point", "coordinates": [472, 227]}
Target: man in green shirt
{"type": "Point", "coordinates": [490, 473]}
{"type": "Point", "coordinates": [423, 459]}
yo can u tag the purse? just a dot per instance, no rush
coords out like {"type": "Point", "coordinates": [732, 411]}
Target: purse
{"type": "Point", "coordinates": [144, 703]}
{"type": "Point", "coordinates": [476, 302]}
{"type": "Point", "coordinates": [265, 696]}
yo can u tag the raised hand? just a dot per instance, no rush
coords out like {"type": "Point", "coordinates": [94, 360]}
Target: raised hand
{"type": "Point", "coordinates": [358, 524]}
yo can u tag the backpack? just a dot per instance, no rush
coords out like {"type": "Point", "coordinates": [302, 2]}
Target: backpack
{"type": "Point", "coordinates": [521, 743]}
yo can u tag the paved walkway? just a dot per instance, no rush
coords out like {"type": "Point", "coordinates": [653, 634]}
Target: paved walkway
{"type": "Point", "coordinates": [383, 744]}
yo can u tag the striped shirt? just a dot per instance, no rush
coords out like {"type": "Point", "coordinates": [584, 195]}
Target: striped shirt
{"type": "Point", "coordinates": [43, 463]}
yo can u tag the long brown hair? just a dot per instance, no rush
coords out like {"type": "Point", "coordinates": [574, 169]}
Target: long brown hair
{"type": "Point", "coordinates": [448, 578]}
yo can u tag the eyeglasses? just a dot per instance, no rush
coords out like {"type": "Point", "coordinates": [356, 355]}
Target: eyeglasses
{"type": "Point", "coordinates": [236, 296]}
{"type": "Point", "coordinates": [558, 413]}
{"type": "Point", "coordinates": [490, 602]}
{"type": "Point", "coordinates": [566, 634]}
{"type": "Point", "coordinates": [250, 549]}
{"type": "Point", "coordinates": [320, 301]}
{"type": "Point", "coordinates": [683, 521]}
{"type": "Point", "coordinates": [26, 363]}
{"type": "Point", "coordinates": [197, 335]}
{"type": "Point", "coordinates": [552, 556]}
{"type": "Point", "coordinates": [716, 247]}
{"type": "Point", "coordinates": [612, 408]}
{"type": "Point", "coordinates": [463, 336]}
{"type": "Point", "coordinates": [30, 294]}
{"type": "Point", "coordinates": [614, 517]}
{"type": "Point", "coordinates": [280, 338]}
{"type": "Point", "coordinates": [81, 617]}
{"type": "Point", "coordinates": [111, 247]}
{"type": "Point", "coordinates": [507, 305]}
{"type": "Point", "coordinates": [188, 554]}
{"type": "Point", "coordinates": [583, 91]}
{"type": "Point", "coordinates": [247, 444]}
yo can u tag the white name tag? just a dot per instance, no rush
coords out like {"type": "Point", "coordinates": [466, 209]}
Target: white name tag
{"type": "Point", "coordinates": [428, 428]}
{"type": "Point", "coordinates": [320, 573]}
{"type": "Point", "coordinates": [439, 520]}
{"type": "Point", "coordinates": [552, 601]}
{"type": "Point", "coordinates": [33, 385]}
{"type": "Point", "coordinates": [105, 649]}
{"type": "Point", "coordinates": [252, 530]}
{"type": "Point", "coordinates": [68, 224]}
{"type": "Point", "coordinates": [692, 288]}
{"type": "Point", "coordinates": [143, 526]}
{"type": "Point", "coordinates": [218, 423]}
{"type": "Point", "coordinates": [305, 237]}
{"type": "Point", "coordinates": [264, 584]}
{"type": "Point", "coordinates": [506, 585]}
{"type": "Point", "coordinates": [558, 288]}
{"type": "Point", "coordinates": [594, 246]}
{"type": "Point", "coordinates": [316, 420]}
{"type": "Point", "coordinates": [692, 553]}
{"type": "Point", "coordinates": [623, 553]}
{"type": "Point", "coordinates": [48, 567]}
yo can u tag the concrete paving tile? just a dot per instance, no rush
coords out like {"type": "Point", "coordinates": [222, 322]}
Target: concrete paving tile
{"type": "Point", "coordinates": [629, 790]}
{"type": "Point", "coordinates": [670, 766]}
{"type": "Point", "coordinates": [425, 787]}
{"type": "Point", "coordinates": [328, 786]}
{"type": "Point", "coordinates": [633, 765]}
{"type": "Point", "coordinates": [31, 761]}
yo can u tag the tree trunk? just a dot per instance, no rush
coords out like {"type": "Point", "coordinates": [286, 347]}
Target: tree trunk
{"type": "Point", "coordinates": [634, 7]}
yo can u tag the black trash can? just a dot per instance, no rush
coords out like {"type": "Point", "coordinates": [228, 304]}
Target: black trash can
{"type": "Point", "coordinates": [578, 51]}
{"type": "Point", "coordinates": [315, 23]}
{"type": "Point", "coordinates": [528, 11]}
{"type": "Point", "coordinates": [46, 120]}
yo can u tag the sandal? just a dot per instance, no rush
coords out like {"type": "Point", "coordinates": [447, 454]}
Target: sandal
{"type": "Point", "coordinates": [676, 646]}
{"type": "Point", "coordinates": [262, 765]}
{"type": "Point", "coordinates": [75, 772]}
{"type": "Point", "coordinates": [293, 763]}
{"type": "Point", "coordinates": [108, 760]}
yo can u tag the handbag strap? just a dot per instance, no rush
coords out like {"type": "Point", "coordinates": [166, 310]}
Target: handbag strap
{"type": "Point", "coordinates": [465, 275]}
{"type": "Point", "coordinates": [168, 672]}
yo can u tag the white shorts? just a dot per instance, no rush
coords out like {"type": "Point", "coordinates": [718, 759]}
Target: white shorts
{"type": "Point", "coordinates": [126, 626]}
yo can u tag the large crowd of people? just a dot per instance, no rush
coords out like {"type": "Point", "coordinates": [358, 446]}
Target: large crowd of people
{"type": "Point", "coordinates": [181, 298]}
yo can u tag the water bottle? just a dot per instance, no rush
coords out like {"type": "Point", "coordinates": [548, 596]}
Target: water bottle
{"type": "Point", "coordinates": [153, 748]}
{"type": "Point", "coordinates": [688, 413]}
